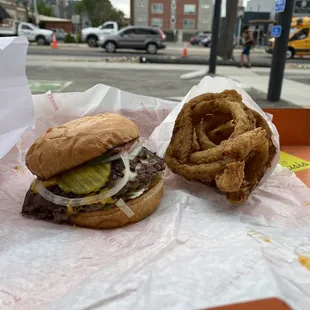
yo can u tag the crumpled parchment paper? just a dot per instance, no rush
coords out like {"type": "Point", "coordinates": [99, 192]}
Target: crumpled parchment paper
{"type": "Point", "coordinates": [195, 251]}
{"type": "Point", "coordinates": [16, 108]}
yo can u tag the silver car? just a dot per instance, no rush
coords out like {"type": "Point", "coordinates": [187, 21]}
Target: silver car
{"type": "Point", "coordinates": [139, 38]}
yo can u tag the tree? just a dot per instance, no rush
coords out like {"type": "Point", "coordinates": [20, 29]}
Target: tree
{"type": "Point", "coordinates": [225, 47]}
{"type": "Point", "coordinates": [98, 11]}
{"type": "Point", "coordinates": [43, 9]}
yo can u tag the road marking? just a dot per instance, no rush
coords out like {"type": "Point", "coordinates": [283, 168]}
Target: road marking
{"type": "Point", "coordinates": [41, 86]}
{"type": "Point", "coordinates": [293, 163]}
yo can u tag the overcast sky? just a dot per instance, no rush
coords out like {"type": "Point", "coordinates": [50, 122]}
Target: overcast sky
{"type": "Point", "coordinates": [122, 5]}
{"type": "Point", "coordinates": [125, 6]}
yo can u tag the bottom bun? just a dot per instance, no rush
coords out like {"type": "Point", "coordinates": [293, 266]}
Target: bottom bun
{"type": "Point", "coordinates": [142, 207]}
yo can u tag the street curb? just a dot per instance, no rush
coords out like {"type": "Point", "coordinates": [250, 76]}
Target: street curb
{"type": "Point", "coordinates": [194, 61]}
{"type": "Point", "coordinates": [297, 66]}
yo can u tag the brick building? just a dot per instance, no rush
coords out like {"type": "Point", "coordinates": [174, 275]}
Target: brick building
{"type": "Point", "coordinates": [187, 15]}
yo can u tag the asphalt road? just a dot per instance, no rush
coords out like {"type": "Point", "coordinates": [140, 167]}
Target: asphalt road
{"type": "Point", "coordinates": [194, 52]}
{"type": "Point", "coordinates": [143, 82]}
{"type": "Point", "coordinates": [165, 85]}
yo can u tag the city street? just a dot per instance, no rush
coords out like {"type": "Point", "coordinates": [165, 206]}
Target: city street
{"type": "Point", "coordinates": [258, 55]}
{"type": "Point", "coordinates": [59, 74]}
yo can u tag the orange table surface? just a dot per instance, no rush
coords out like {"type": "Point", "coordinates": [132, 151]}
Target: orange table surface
{"type": "Point", "coordinates": [266, 304]}
{"type": "Point", "coordinates": [294, 129]}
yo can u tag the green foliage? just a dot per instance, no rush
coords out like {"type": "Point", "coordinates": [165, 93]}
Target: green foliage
{"type": "Point", "coordinates": [99, 11]}
{"type": "Point", "coordinates": [69, 39]}
{"type": "Point", "coordinates": [79, 38]}
{"type": "Point", "coordinates": [43, 9]}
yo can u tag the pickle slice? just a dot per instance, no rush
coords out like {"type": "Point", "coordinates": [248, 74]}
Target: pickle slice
{"type": "Point", "coordinates": [84, 179]}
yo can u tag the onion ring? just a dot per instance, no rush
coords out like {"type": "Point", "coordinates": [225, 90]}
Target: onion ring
{"type": "Point", "coordinates": [218, 140]}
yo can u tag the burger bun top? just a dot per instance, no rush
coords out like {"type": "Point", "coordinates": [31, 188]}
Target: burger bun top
{"type": "Point", "coordinates": [76, 142]}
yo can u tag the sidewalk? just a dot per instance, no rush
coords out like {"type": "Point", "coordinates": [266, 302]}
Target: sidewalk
{"type": "Point", "coordinates": [292, 92]}
{"type": "Point", "coordinates": [171, 45]}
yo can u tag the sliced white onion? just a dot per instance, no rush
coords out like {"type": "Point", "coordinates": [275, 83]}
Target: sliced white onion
{"type": "Point", "coordinates": [125, 208]}
{"type": "Point", "coordinates": [74, 202]}
{"type": "Point", "coordinates": [133, 152]}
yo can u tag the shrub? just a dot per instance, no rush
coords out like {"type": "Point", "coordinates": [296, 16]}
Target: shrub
{"type": "Point", "coordinates": [69, 39]}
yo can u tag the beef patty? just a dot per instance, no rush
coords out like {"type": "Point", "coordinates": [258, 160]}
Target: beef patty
{"type": "Point", "coordinates": [145, 168]}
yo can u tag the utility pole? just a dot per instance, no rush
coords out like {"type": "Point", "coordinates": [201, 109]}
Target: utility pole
{"type": "Point", "coordinates": [36, 16]}
{"type": "Point", "coordinates": [279, 53]}
{"type": "Point", "coordinates": [215, 35]}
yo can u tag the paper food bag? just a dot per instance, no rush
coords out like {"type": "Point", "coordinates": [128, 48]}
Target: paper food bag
{"type": "Point", "coordinates": [161, 136]}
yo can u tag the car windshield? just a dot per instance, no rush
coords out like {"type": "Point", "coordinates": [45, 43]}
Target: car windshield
{"type": "Point", "coordinates": [293, 30]}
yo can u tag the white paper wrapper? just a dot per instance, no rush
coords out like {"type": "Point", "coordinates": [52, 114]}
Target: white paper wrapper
{"type": "Point", "coordinates": [16, 108]}
{"type": "Point", "coordinates": [195, 251]}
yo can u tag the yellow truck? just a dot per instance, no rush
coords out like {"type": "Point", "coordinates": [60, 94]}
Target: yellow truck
{"type": "Point", "coordinates": [299, 40]}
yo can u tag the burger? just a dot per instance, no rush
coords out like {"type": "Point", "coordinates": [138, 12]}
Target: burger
{"type": "Point", "coordinates": [93, 172]}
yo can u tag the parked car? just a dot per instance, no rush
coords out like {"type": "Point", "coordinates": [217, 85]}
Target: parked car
{"type": "Point", "coordinates": [207, 41]}
{"type": "Point", "coordinates": [30, 31]}
{"type": "Point", "coordinates": [138, 38]}
{"type": "Point", "coordinates": [60, 33]}
{"type": "Point", "coordinates": [199, 37]}
{"type": "Point", "coordinates": [91, 35]}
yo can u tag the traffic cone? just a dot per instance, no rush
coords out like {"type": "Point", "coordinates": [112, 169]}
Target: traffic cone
{"type": "Point", "coordinates": [54, 43]}
{"type": "Point", "coordinates": [185, 54]}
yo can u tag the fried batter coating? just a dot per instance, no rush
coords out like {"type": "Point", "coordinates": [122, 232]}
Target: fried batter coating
{"type": "Point", "coordinates": [232, 177]}
{"type": "Point", "coordinates": [218, 139]}
{"type": "Point", "coordinates": [222, 132]}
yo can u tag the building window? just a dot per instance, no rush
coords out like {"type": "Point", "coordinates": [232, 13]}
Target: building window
{"type": "Point", "coordinates": [157, 8]}
{"type": "Point", "coordinates": [189, 24]}
{"type": "Point", "coordinates": [157, 22]}
{"type": "Point", "coordinates": [205, 6]}
{"type": "Point", "coordinates": [189, 9]}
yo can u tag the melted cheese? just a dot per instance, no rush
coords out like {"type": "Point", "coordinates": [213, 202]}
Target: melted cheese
{"type": "Point", "coordinates": [50, 182]}
{"type": "Point", "coordinates": [33, 187]}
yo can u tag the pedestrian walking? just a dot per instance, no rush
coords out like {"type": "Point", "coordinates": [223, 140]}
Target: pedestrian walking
{"type": "Point", "coordinates": [247, 42]}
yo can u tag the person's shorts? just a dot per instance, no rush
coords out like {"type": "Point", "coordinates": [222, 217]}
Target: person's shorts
{"type": "Point", "coordinates": [246, 50]}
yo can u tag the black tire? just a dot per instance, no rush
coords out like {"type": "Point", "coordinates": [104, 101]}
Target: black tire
{"type": "Point", "coordinates": [152, 48]}
{"type": "Point", "coordinates": [110, 47]}
{"type": "Point", "coordinates": [41, 40]}
{"type": "Point", "coordinates": [206, 44]}
{"type": "Point", "coordinates": [92, 41]}
{"type": "Point", "coordinates": [290, 53]}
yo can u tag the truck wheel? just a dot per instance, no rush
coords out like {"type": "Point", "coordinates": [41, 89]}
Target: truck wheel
{"type": "Point", "coordinates": [110, 47]}
{"type": "Point", "coordinates": [151, 48]}
{"type": "Point", "coordinates": [290, 53]}
{"type": "Point", "coordinates": [92, 41]}
{"type": "Point", "coordinates": [41, 40]}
